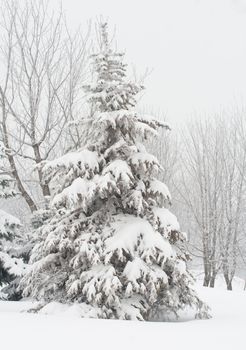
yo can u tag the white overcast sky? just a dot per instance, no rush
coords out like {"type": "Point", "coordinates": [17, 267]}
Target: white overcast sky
{"type": "Point", "coordinates": [196, 48]}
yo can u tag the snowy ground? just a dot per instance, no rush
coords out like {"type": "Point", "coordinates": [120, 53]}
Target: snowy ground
{"type": "Point", "coordinates": [33, 332]}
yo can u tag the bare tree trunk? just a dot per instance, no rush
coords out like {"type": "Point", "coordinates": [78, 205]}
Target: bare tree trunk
{"type": "Point", "coordinates": [228, 281]}
{"type": "Point", "coordinates": [213, 278]}
{"type": "Point", "coordinates": [207, 277]}
{"type": "Point", "coordinates": [44, 186]}
{"type": "Point", "coordinates": [11, 160]}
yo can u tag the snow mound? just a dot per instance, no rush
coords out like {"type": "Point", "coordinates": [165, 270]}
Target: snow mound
{"type": "Point", "coordinates": [74, 310]}
{"type": "Point", "coordinates": [225, 330]}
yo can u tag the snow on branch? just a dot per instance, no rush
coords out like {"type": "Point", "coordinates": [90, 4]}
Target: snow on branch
{"type": "Point", "coordinates": [84, 162]}
{"type": "Point", "coordinates": [136, 236]}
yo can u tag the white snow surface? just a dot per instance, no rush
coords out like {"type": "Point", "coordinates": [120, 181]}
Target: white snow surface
{"type": "Point", "coordinates": [63, 329]}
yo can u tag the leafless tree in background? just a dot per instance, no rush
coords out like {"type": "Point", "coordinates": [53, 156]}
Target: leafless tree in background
{"type": "Point", "coordinates": [199, 188]}
{"type": "Point", "coordinates": [45, 68]}
{"type": "Point", "coordinates": [233, 196]}
{"type": "Point", "coordinates": [211, 185]}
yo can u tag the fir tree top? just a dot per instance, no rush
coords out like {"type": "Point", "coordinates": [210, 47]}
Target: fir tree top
{"type": "Point", "coordinates": [110, 91]}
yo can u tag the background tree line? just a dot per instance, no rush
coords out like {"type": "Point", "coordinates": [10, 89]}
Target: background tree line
{"type": "Point", "coordinates": [206, 165]}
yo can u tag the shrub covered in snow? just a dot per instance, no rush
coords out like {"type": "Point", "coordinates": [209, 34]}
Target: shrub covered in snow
{"type": "Point", "coordinates": [112, 243]}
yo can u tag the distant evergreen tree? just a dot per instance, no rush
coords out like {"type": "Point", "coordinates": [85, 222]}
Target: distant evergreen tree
{"type": "Point", "coordinates": [112, 244]}
{"type": "Point", "coordinates": [10, 265]}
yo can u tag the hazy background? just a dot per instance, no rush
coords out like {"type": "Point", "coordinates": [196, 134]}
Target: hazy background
{"type": "Point", "coordinates": [196, 48]}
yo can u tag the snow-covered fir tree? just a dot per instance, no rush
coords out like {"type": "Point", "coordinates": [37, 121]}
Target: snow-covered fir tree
{"type": "Point", "coordinates": [11, 266]}
{"type": "Point", "coordinates": [112, 244]}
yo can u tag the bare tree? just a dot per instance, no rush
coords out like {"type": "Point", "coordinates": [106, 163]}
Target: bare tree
{"type": "Point", "coordinates": [234, 158]}
{"type": "Point", "coordinates": [212, 187]}
{"type": "Point", "coordinates": [200, 185]}
{"type": "Point", "coordinates": [41, 88]}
